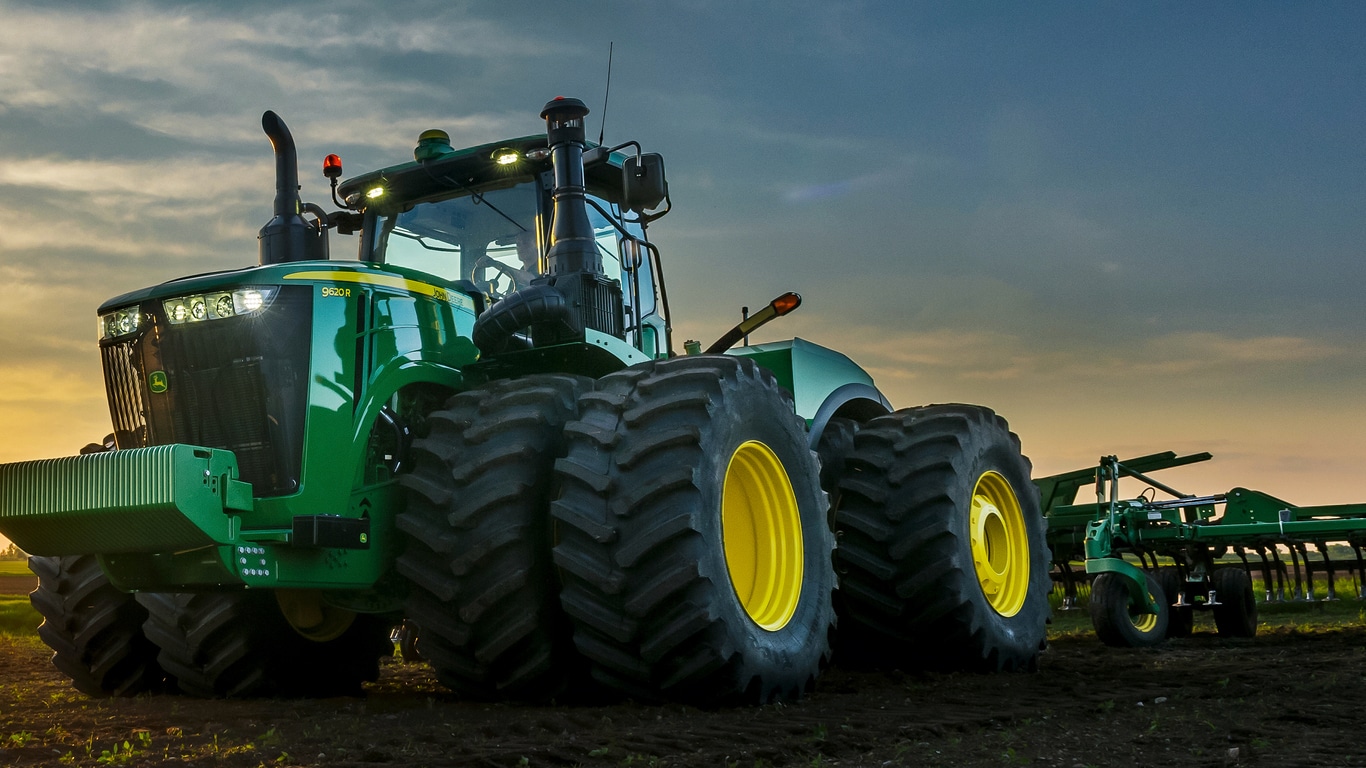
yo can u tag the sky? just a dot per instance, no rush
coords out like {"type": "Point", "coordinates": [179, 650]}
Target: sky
{"type": "Point", "coordinates": [1127, 228]}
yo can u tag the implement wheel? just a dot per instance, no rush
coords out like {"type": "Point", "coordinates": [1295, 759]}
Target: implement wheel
{"type": "Point", "coordinates": [941, 552]}
{"type": "Point", "coordinates": [1180, 621]}
{"type": "Point", "coordinates": [238, 644]}
{"type": "Point", "coordinates": [93, 629]}
{"type": "Point", "coordinates": [1116, 618]}
{"type": "Point", "coordinates": [1236, 614]}
{"type": "Point", "coordinates": [692, 535]}
{"type": "Point", "coordinates": [483, 588]}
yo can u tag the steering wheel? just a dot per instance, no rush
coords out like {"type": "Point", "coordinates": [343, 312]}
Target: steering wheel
{"type": "Point", "coordinates": [505, 280]}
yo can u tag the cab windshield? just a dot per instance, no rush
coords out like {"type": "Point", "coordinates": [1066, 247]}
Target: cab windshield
{"type": "Point", "coordinates": [495, 239]}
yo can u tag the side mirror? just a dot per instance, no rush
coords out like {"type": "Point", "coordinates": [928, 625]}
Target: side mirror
{"type": "Point", "coordinates": [643, 182]}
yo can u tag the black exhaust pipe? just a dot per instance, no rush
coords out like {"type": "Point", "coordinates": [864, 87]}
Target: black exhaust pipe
{"type": "Point", "coordinates": [288, 236]}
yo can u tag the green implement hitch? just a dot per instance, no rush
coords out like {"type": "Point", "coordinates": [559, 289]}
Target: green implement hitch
{"type": "Point", "coordinates": [166, 498]}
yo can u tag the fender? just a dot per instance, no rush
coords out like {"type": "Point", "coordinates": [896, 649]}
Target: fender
{"type": "Point", "coordinates": [855, 401]}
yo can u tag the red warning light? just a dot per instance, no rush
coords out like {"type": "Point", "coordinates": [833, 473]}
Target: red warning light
{"type": "Point", "coordinates": [332, 166]}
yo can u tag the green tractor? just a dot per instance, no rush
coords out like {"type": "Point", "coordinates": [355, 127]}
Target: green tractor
{"type": "Point", "coordinates": [478, 429]}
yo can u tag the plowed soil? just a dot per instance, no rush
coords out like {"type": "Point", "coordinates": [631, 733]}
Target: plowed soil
{"type": "Point", "coordinates": [1284, 698]}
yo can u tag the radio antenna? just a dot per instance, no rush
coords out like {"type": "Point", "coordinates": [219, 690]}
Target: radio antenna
{"type": "Point", "coordinates": [603, 130]}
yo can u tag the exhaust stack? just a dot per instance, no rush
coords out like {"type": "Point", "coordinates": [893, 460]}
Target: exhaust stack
{"type": "Point", "coordinates": [288, 236]}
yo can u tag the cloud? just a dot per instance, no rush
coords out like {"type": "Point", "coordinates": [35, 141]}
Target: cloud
{"type": "Point", "coordinates": [153, 180]}
{"type": "Point", "coordinates": [179, 71]}
{"type": "Point", "coordinates": [79, 209]}
{"type": "Point", "coordinates": [813, 193]}
{"type": "Point", "coordinates": [1004, 357]}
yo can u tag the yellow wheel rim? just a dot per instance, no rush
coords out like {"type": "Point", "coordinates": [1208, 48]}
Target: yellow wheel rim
{"type": "Point", "coordinates": [311, 617]}
{"type": "Point", "coordinates": [1000, 544]}
{"type": "Point", "coordinates": [761, 531]}
{"type": "Point", "coordinates": [1143, 622]}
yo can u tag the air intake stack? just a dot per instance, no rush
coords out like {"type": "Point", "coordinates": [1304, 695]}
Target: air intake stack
{"type": "Point", "coordinates": [574, 264]}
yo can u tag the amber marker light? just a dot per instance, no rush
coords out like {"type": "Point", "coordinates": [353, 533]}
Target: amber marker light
{"type": "Point", "coordinates": [786, 303]}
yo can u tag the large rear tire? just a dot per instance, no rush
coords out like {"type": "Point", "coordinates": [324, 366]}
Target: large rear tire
{"type": "Point", "coordinates": [483, 588]}
{"type": "Point", "coordinates": [941, 551]}
{"type": "Point", "coordinates": [93, 629]}
{"type": "Point", "coordinates": [692, 535]}
{"type": "Point", "coordinates": [1116, 618]}
{"type": "Point", "coordinates": [239, 644]}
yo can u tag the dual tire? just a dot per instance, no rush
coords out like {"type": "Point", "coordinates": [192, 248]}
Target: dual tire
{"type": "Point", "coordinates": [483, 593]}
{"type": "Point", "coordinates": [692, 535]}
{"type": "Point", "coordinates": [94, 630]}
{"type": "Point", "coordinates": [941, 550]}
{"type": "Point", "coordinates": [220, 644]}
{"type": "Point", "coordinates": [243, 643]}
{"type": "Point", "coordinates": [692, 539]}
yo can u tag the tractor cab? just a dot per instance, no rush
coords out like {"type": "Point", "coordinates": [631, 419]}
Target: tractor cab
{"type": "Point", "coordinates": [481, 219]}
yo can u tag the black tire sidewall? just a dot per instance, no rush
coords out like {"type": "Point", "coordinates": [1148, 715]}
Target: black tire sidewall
{"type": "Point", "coordinates": [1017, 636]}
{"type": "Point", "coordinates": [1236, 616]}
{"type": "Point", "coordinates": [753, 413]}
{"type": "Point", "coordinates": [1110, 612]}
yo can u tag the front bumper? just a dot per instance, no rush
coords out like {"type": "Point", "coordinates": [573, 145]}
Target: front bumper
{"type": "Point", "coordinates": [169, 498]}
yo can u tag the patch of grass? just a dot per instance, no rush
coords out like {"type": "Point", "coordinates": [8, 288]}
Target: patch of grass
{"type": "Point", "coordinates": [17, 617]}
{"type": "Point", "coordinates": [14, 568]}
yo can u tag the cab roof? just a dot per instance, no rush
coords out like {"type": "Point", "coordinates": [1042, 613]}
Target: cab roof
{"type": "Point", "coordinates": [474, 168]}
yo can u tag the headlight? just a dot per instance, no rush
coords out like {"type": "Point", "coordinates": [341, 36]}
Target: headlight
{"type": "Point", "coordinates": [216, 306]}
{"type": "Point", "coordinates": [248, 300]}
{"type": "Point", "coordinates": [120, 322]}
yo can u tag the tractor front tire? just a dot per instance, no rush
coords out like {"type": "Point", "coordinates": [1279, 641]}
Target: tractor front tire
{"type": "Point", "coordinates": [1236, 613]}
{"type": "Point", "coordinates": [941, 552]}
{"type": "Point", "coordinates": [483, 588]}
{"type": "Point", "coordinates": [692, 535]}
{"type": "Point", "coordinates": [1116, 618]}
{"type": "Point", "coordinates": [93, 629]}
{"type": "Point", "coordinates": [239, 644]}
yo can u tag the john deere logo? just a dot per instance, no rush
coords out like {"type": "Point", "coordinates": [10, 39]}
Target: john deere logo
{"type": "Point", "coordinates": [156, 381]}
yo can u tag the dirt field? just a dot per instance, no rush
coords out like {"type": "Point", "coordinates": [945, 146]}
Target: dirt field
{"type": "Point", "coordinates": [17, 585]}
{"type": "Point", "coordinates": [1285, 698]}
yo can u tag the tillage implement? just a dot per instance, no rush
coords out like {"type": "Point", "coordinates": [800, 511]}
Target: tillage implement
{"type": "Point", "coordinates": [1155, 562]}
{"type": "Point", "coordinates": [477, 429]}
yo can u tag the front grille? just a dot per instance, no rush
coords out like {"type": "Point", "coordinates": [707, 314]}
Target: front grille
{"type": "Point", "coordinates": [223, 405]}
{"type": "Point", "coordinates": [239, 384]}
{"type": "Point", "coordinates": [124, 388]}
